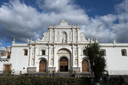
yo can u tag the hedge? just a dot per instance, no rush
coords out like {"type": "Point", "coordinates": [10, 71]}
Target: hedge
{"type": "Point", "coordinates": [44, 81]}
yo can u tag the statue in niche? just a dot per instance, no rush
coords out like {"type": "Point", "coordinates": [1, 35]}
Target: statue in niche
{"type": "Point", "coordinates": [32, 60]}
{"type": "Point", "coordinates": [51, 61]}
{"type": "Point", "coordinates": [81, 38]}
{"type": "Point", "coordinates": [52, 38]}
{"type": "Point", "coordinates": [76, 61]}
{"type": "Point", "coordinates": [58, 33]}
{"type": "Point", "coordinates": [69, 33]}
{"type": "Point", "coordinates": [33, 52]}
{"type": "Point", "coordinates": [52, 52]}
{"type": "Point", "coordinates": [64, 37]}
{"type": "Point", "coordinates": [75, 52]}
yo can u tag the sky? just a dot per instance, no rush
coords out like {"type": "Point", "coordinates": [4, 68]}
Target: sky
{"type": "Point", "coordinates": [25, 19]}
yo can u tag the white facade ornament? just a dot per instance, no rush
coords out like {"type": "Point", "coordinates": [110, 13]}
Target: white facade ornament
{"type": "Point", "coordinates": [51, 61]}
{"type": "Point", "coordinates": [76, 52]}
{"type": "Point", "coordinates": [69, 33]}
{"type": "Point", "coordinates": [114, 41]}
{"type": "Point", "coordinates": [58, 33]}
{"type": "Point", "coordinates": [96, 40]}
{"type": "Point", "coordinates": [52, 52]}
{"type": "Point", "coordinates": [13, 41]}
{"type": "Point", "coordinates": [32, 60]}
{"type": "Point", "coordinates": [33, 52]}
{"type": "Point", "coordinates": [76, 60]}
{"type": "Point", "coordinates": [91, 40]}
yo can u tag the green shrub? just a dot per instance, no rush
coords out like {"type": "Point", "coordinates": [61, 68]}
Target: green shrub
{"type": "Point", "coordinates": [43, 81]}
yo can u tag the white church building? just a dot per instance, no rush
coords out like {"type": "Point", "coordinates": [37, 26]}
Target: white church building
{"type": "Point", "coordinates": [61, 50]}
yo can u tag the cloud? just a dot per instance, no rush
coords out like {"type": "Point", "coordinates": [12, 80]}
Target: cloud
{"type": "Point", "coordinates": [2, 48]}
{"type": "Point", "coordinates": [110, 26]}
{"type": "Point", "coordinates": [0, 44]}
{"type": "Point", "coordinates": [20, 21]}
{"type": "Point", "coordinates": [17, 20]}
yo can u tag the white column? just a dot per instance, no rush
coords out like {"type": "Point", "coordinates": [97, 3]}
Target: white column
{"type": "Point", "coordinates": [54, 57]}
{"type": "Point", "coordinates": [54, 35]}
{"type": "Point", "coordinates": [35, 55]}
{"type": "Point", "coordinates": [49, 51]}
{"type": "Point", "coordinates": [77, 34]}
{"type": "Point", "coordinates": [72, 35]}
{"type": "Point", "coordinates": [78, 56]}
{"type": "Point", "coordinates": [49, 34]}
{"type": "Point", "coordinates": [73, 61]}
{"type": "Point", "coordinates": [30, 54]}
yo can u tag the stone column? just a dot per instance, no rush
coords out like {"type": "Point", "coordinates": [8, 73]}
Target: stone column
{"type": "Point", "coordinates": [77, 34]}
{"type": "Point", "coordinates": [72, 35]}
{"type": "Point", "coordinates": [30, 54]}
{"type": "Point", "coordinates": [78, 56]}
{"type": "Point", "coordinates": [54, 35]}
{"type": "Point", "coordinates": [73, 49]}
{"type": "Point", "coordinates": [35, 55]}
{"type": "Point", "coordinates": [49, 34]}
{"type": "Point", "coordinates": [49, 51]}
{"type": "Point", "coordinates": [54, 57]}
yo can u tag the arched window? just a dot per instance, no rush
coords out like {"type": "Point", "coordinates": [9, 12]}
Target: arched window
{"type": "Point", "coordinates": [25, 52]}
{"type": "Point", "coordinates": [124, 52]}
{"type": "Point", "coordinates": [8, 56]}
{"type": "Point", "coordinates": [103, 51]}
{"type": "Point", "coordinates": [64, 37]}
{"type": "Point", "coordinates": [42, 52]}
{"type": "Point", "coordinates": [84, 52]}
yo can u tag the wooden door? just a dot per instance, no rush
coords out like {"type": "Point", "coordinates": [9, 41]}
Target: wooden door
{"type": "Point", "coordinates": [63, 64]}
{"type": "Point", "coordinates": [42, 66]}
{"type": "Point", "coordinates": [84, 66]}
{"type": "Point", "coordinates": [7, 68]}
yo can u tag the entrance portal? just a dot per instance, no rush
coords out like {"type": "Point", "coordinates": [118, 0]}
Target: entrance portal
{"type": "Point", "coordinates": [63, 64]}
{"type": "Point", "coordinates": [42, 66]}
{"type": "Point", "coordinates": [7, 68]}
{"type": "Point", "coordinates": [84, 66]}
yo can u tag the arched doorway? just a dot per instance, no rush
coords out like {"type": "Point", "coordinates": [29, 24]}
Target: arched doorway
{"type": "Point", "coordinates": [85, 66]}
{"type": "Point", "coordinates": [42, 65]}
{"type": "Point", "coordinates": [63, 64]}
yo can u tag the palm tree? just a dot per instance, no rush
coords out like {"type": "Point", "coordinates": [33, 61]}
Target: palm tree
{"type": "Point", "coordinates": [97, 61]}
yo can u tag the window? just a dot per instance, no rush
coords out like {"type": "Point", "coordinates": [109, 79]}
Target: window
{"type": "Point", "coordinates": [25, 52]}
{"type": "Point", "coordinates": [103, 52]}
{"type": "Point", "coordinates": [84, 52]}
{"type": "Point", "coordinates": [43, 52]}
{"type": "Point", "coordinates": [124, 52]}
{"type": "Point", "coordinates": [8, 57]}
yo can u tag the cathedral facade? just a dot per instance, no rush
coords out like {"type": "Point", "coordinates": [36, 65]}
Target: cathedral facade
{"type": "Point", "coordinates": [61, 50]}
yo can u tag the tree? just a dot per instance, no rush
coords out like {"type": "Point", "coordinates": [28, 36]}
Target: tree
{"type": "Point", "coordinates": [97, 61]}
